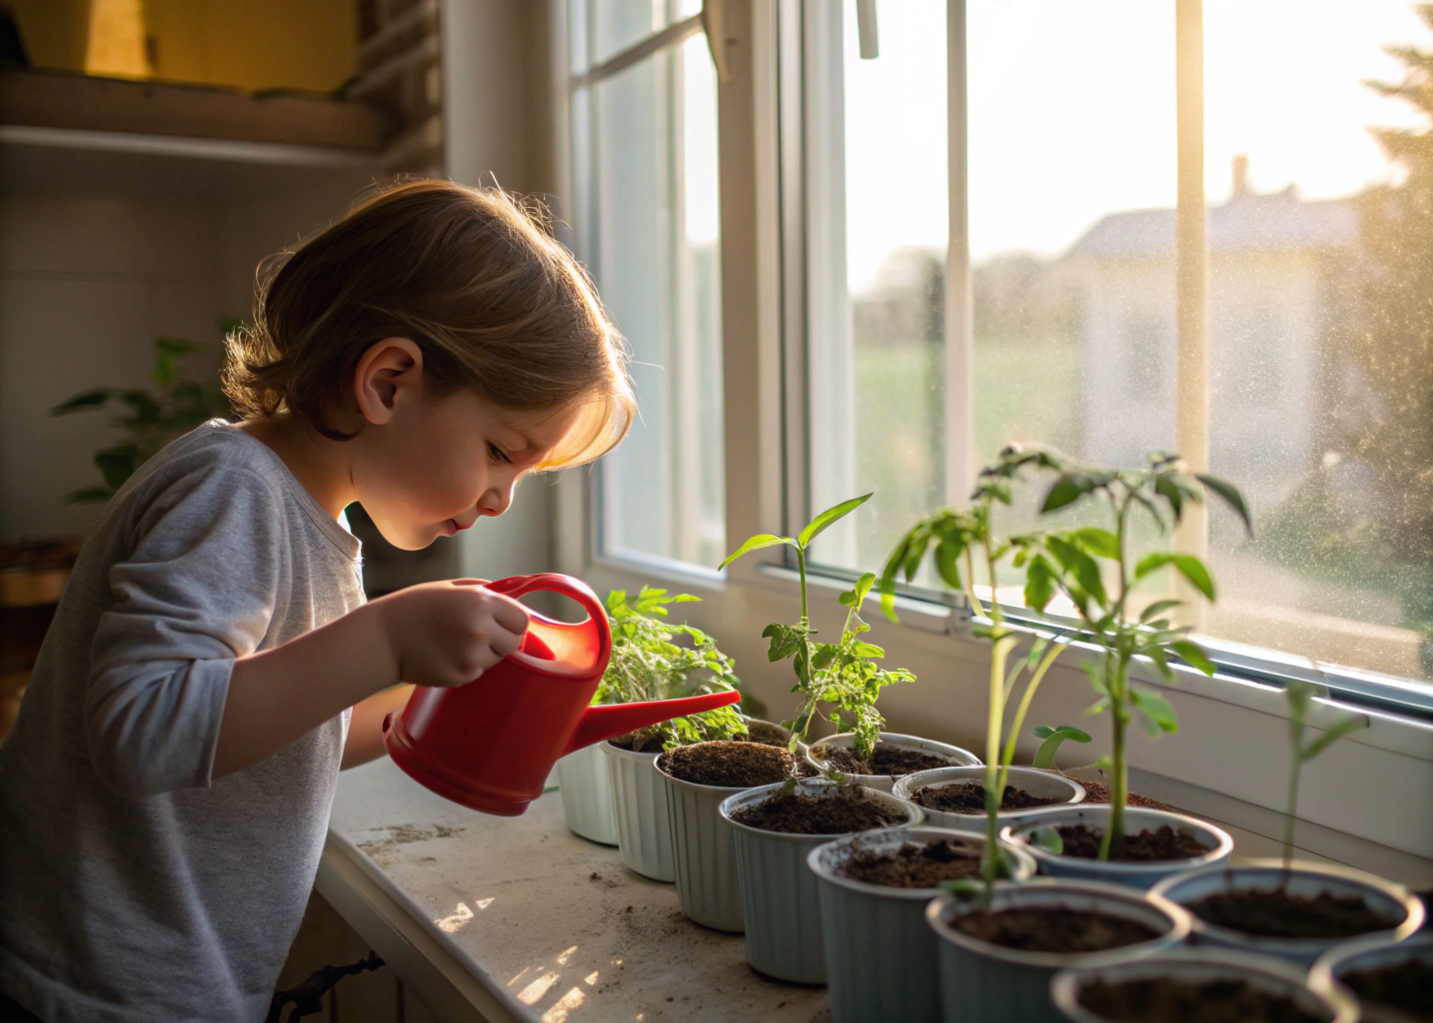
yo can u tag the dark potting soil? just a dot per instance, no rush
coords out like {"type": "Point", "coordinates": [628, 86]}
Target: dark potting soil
{"type": "Point", "coordinates": [841, 812]}
{"type": "Point", "coordinates": [1167, 1000]}
{"type": "Point", "coordinates": [765, 733]}
{"type": "Point", "coordinates": [1164, 843]}
{"type": "Point", "coordinates": [914, 864]}
{"type": "Point", "coordinates": [1054, 929]}
{"type": "Point", "coordinates": [886, 759]}
{"type": "Point", "coordinates": [729, 764]}
{"type": "Point", "coordinates": [639, 742]}
{"type": "Point", "coordinates": [1098, 792]}
{"type": "Point", "coordinates": [1271, 913]}
{"type": "Point", "coordinates": [969, 797]}
{"type": "Point", "coordinates": [1407, 987]}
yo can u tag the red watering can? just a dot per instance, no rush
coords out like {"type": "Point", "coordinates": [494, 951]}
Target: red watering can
{"type": "Point", "coordinates": [491, 744]}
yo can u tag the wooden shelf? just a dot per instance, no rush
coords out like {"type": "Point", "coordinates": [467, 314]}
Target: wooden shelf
{"type": "Point", "coordinates": [50, 108]}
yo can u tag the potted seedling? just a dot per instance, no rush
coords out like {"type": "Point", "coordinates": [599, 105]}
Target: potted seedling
{"type": "Point", "coordinates": [773, 827]}
{"type": "Point", "coordinates": [1094, 569]}
{"type": "Point", "coordinates": [649, 663]}
{"type": "Point", "coordinates": [972, 798]}
{"type": "Point", "coordinates": [1297, 910]}
{"type": "Point", "coordinates": [1194, 985]}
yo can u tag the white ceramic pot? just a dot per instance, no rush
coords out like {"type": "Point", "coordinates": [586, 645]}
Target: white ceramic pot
{"type": "Point", "coordinates": [1303, 878]}
{"type": "Point", "coordinates": [1038, 783]}
{"type": "Point", "coordinates": [985, 983]}
{"type": "Point", "coordinates": [644, 829]}
{"type": "Point", "coordinates": [702, 851]}
{"type": "Point", "coordinates": [1198, 966]}
{"type": "Point", "coordinates": [881, 956]}
{"type": "Point", "coordinates": [1354, 956]}
{"type": "Point", "coordinates": [587, 795]}
{"type": "Point", "coordinates": [780, 901]}
{"type": "Point", "coordinates": [958, 757]}
{"type": "Point", "coordinates": [1137, 819]}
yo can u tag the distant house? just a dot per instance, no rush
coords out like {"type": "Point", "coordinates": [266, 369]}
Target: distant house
{"type": "Point", "coordinates": [1277, 306]}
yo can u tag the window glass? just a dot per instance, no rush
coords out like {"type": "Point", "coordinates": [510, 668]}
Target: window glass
{"type": "Point", "coordinates": [655, 252]}
{"type": "Point", "coordinates": [614, 25]}
{"type": "Point", "coordinates": [877, 199]}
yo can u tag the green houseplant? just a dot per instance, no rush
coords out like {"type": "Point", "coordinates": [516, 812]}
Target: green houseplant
{"type": "Point", "coordinates": [151, 420]}
{"type": "Point", "coordinates": [654, 659]}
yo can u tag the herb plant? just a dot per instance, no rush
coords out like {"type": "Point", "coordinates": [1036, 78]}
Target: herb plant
{"type": "Point", "coordinates": [1300, 695]}
{"type": "Point", "coordinates": [648, 664]}
{"type": "Point", "coordinates": [843, 674]}
{"type": "Point", "coordinates": [151, 421]}
{"type": "Point", "coordinates": [1053, 738]}
{"type": "Point", "coordinates": [1076, 561]}
{"type": "Point", "coordinates": [956, 539]}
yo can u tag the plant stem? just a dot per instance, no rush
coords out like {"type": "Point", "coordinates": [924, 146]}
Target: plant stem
{"type": "Point", "coordinates": [1025, 701]}
{"type": "Point", "coordinates": [1114, 836]}
{"type": "Point", "coordinates": [1290, 816]}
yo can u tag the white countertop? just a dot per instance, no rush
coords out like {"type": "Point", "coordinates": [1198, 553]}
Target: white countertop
{"type": "Point", "coordinates": [519, 919]}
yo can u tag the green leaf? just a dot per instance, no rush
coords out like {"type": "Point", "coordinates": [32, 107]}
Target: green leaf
{"type": "Point", "coordinates": [1081, 565]}
{"type": "Point", "coordinates": [1054, 737]}
{"type": "Point", "coordinates": [1068, 489]}
{"type": "Point", "coordinates": [1166, 488]}
{"type": "Point", "coordinates": [1099, 542]}
{"type": "Point", "coordinates": [1332, 734]}
{"type": "Point", "coordinates": [83, 402]}
{"type": "Point", "coordinates": [1194, 655]}
{"type": "Point", "coordinates": [756, 543]}
{"type": "Point", "coordinates": [947, 562]}
{"type": "Point", "coordinates": [870, 651]}
{"type": "Point", "coordinates": [1158, 608]}
{"type": "Point", "coordinates": [1042, 731]}
{"type": "Point", "coordinates": [821, 522]}
{"type": "Point", "coordinates": [1231, 496]}
{"type": "Point", "coordinates": [1040, 581]}
{"type": "Point", "coordinates": [1158, 714]}
{"type": "Point", "coordinates": [1048, 840]}
{"type": "Point", "coordinates": [1187, 564]}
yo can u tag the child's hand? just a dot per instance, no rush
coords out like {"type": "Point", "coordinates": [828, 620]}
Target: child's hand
{"type": "Point", "coordinates": [448, 633]}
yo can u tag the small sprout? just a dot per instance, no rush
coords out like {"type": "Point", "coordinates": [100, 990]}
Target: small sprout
{"type": "Point", "coordinates": [1301, 696]}
{"type": "Point", "coordinates": [1045, 755]}
{"type": "Point", "coordinates": [1049, 840]}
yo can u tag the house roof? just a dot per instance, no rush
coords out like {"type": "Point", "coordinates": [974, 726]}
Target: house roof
{"type": "Point", "coordinates": [1247, 223]}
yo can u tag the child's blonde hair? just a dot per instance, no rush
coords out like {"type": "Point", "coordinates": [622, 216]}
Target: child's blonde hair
{"type": "Point", "coordinates": [472, 277]}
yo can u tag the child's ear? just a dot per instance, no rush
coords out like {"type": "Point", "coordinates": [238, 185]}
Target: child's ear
{"type": "Point", "coordinates": [387, 370]}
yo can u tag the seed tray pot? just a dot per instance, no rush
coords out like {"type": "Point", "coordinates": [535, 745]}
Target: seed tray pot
{"type": "Point", "coordinates": [644, 828]}
{"type": "Point", "coordinates": [882, 959]}
{"type": "Point", "coordinates": [1321, 998]}
{"type": "Point", "coordinates": [1351, 957]}
{"type": "Point", "coordinates": [702, 852]}
{"type": "Point", "coordinates": [1404, 911]}
{"type": "Point", "coordinates": [981, 981]}
{"type": "Point", "coordinates": [780, 900]}
{"type": "Point", "coordinates": [586, 792]}
{"type": "Point", "coordinates": [1044, 784]}
{"type": "Point", "coordinates": [886, 783]}
{"type": "Point", "coordinates": [1137, 819]}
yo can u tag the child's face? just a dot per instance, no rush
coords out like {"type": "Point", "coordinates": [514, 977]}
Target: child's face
{"type": "Point", "coordinates": [440, 464]}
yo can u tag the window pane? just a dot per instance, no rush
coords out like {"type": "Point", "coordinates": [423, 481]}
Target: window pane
{"type": "Point", "coordinates": [878, 211]}
{"type": "Point", "coordinates": [613, 25]}
{"type": "Point", "coordinates": [1321, 263]}
{"type": "Point", "coordinates": [656, 256]}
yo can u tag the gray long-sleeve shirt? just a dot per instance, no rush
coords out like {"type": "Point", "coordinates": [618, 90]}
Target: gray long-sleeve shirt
{"type": "Point", "coordinates": [133, 886]}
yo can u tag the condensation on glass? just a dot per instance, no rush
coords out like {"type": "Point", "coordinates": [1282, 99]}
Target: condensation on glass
{"type": "Point", "coordinates": [1320, 248]}
{"type": "Point", "coordinates": [651, 225]}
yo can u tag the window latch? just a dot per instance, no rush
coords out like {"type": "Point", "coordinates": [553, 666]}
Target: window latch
{"type": "Point", "coordinates": [714, 25]}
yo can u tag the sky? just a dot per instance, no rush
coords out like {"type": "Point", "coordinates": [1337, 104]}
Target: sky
{"type": "Point", "coordinates": [1072, 113]}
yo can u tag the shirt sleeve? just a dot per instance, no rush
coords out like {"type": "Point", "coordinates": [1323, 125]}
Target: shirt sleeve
{"type": "Point", "coordinates": [197, 592]}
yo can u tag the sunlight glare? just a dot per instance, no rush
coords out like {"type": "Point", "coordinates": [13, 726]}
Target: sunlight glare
{"type": "Point", "coordinates": [536, 989]}
{"type": "Point", "coordinates": [563, 1006]}
{"type": "Point", "coordinates": [455, 920]}
{"type": "Point", "coordinates": [562, 959]}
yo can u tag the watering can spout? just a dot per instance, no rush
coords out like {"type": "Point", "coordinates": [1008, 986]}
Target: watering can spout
{"type": "Point", "coordinates": [607, 721]}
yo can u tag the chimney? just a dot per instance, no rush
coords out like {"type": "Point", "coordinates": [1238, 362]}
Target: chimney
{"type": "Point", "coordinates": [1241, 177]}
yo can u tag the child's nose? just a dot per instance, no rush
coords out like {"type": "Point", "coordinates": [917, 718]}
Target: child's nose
{"type": "Point", "coordinates": [496, 500]}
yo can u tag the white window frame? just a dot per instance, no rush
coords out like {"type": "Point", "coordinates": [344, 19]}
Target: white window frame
{"type": "Point", "coordinates": [1368, 800]}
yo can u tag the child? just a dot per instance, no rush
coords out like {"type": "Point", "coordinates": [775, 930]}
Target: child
{"type": "Point", "coordinates": [165, 794]}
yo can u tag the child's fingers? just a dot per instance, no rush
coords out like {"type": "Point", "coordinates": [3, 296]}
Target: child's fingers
{"type": "Point", "coordinates": [510, 614]}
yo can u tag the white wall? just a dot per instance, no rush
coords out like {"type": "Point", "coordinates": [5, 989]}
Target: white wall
{"type": "Point", "coordinates": [99, 253]}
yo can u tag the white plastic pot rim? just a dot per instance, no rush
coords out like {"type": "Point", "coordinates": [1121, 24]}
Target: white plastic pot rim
{"type": "Point", "coordinates": [809, 787]}
{"type": "Point", "coordinates": [1137, 818]}
{"type": "Point", "coordinates": [819, 859]}
{"type": "Point", "coordinates": [1269, 873]}
{"type": "Point", "coordinates": [1080, 896]}
{"type": "Point", "coordinates": [908, 784]}
{"type": "Point", "coordinates": [961, 757]}
{"type": "Point", "coordinates": [1199, 964]}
